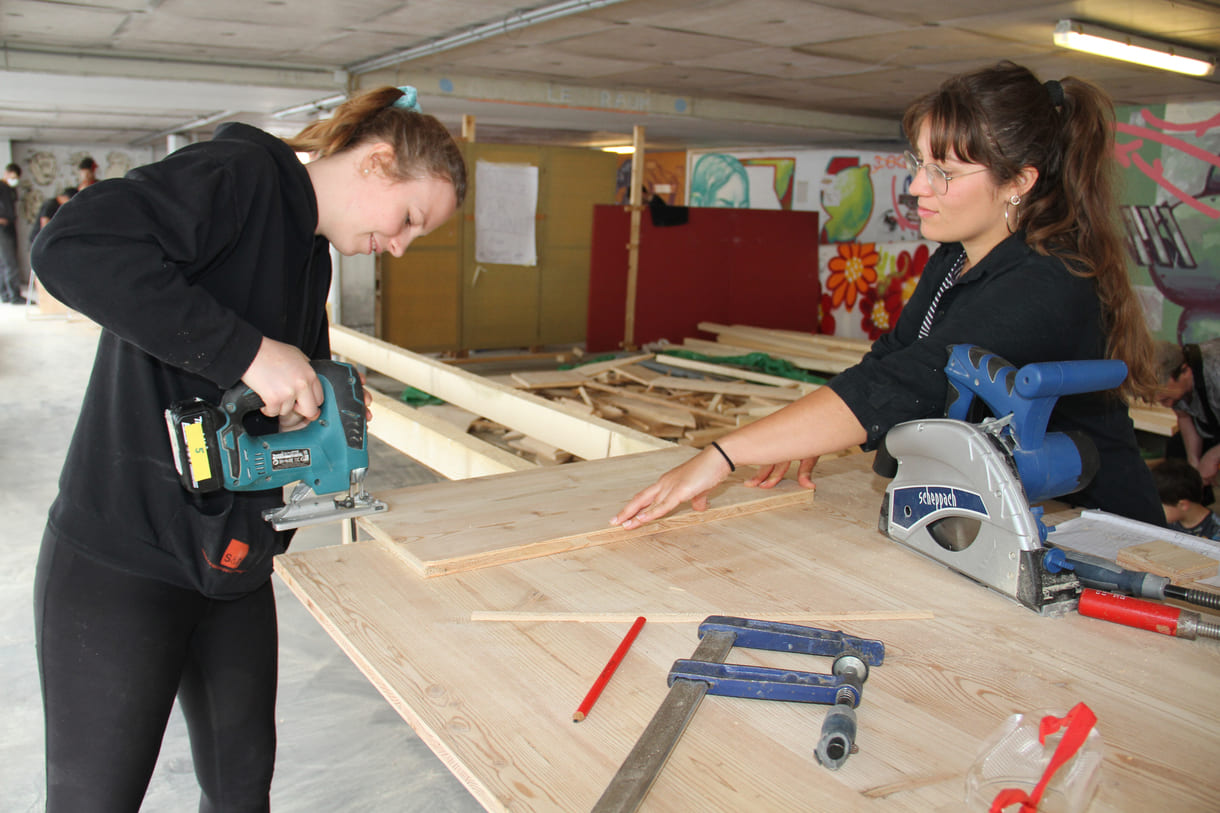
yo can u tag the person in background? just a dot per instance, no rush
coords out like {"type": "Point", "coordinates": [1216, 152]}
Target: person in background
{"type": "Point", "coordinates": [1181, 492]}
{"type": "Point", "coordinates": [207, 268]}
{"type": "Point", "coordinates": [48, 209]}
{"type": "Point", "coordinates": [86, 173]}
{"type": "Point", "coordinates": [1014, 177]}
{"type": "Point", "coordinates": [1189, 376]}
{"type": "Point", "coordinates": [10, 268]}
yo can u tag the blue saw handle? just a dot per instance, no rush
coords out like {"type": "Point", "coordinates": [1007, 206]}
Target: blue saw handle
{"type": "Point", "coordinates": [321, 454]}
{"type": "Point", "coordinates": [1049, 464]}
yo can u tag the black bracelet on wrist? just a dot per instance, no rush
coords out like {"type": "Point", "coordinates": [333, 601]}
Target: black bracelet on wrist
{"type": "Point", "coordinates": [725, 455]}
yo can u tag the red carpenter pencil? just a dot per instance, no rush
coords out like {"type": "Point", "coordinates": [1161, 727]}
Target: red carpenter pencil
{"type": "Point", "coordinates": [604, 677]}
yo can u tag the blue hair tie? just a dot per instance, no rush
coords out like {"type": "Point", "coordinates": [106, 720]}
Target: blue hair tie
{"type": "Point", "coordinates": [409, 100]}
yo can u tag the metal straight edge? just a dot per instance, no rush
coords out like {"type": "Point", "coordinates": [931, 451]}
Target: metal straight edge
{"type": "Point", "coordinates": [643, 765]}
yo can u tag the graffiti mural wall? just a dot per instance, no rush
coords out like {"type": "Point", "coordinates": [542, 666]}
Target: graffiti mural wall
{"type": "Point", "coordinates": [664, 175]}
{"type": "Point", "coordinates": [1170, 159]}
{"type": "Point", "coordinates": [47, 169]}
{"type": "Point", "coordinates": [871, 254]}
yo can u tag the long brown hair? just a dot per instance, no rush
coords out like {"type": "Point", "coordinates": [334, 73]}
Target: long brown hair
{"type": "Point", "coordinates": [423, 148]}
{"type": "Point", "coordinates": [1005, 119]}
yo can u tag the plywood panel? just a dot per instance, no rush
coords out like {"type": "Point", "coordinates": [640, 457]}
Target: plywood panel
{"type": "Point", "coordinates": [451, 527]}
{"type": "Point", "coordinates": [418, 294]}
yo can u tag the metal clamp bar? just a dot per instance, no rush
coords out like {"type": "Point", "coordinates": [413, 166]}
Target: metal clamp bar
{"type": "Point", "coordinates": [644, 763]}
{"type": "Point", "coordinates": [765, 683]}
{"type": "Point", "coordinates": [779, 637]}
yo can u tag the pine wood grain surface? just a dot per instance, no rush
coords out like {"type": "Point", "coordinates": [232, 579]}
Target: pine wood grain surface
{"type": "Point", "coordinates": [454, 526]}
{"type": "Point", "coordinates": [495, 700]}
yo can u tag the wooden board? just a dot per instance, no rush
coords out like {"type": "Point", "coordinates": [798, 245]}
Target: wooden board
{"type": "Point", "coordinates": [1166, 559]}
{"type": "Point", "coordinates": [1154, 418]}
{"type": "Point", "coordinates": [735, 372]}
{"type": "Point", "coordinates": [589, 438]}
{"type": "Point", "coordinates": [451, 527]}
{"type": "Point", "coordinates": [495, 700]}
{"type": "Point", "coordinates": [670, 382]}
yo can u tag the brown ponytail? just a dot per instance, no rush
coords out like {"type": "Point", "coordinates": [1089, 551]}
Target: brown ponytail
{"type": "Point", "coordinates": [423, 148]}
{"type": "Point", "coordinates": [1005, 119]}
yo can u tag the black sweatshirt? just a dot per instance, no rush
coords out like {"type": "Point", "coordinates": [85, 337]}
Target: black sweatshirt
{"type": "Point", "coordinates": [1024, 307]}
{"type": "Point", "coordinates": [186, 263]}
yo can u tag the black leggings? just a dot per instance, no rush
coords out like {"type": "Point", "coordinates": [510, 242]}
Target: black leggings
{"type": "Point", "coordinates": [114, 650]}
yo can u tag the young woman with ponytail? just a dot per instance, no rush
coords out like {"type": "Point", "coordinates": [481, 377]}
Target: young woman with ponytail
{"type": "Point", "coordinates": [207, 268]}
{"type": "Point", "coordinates": [1014, 179]}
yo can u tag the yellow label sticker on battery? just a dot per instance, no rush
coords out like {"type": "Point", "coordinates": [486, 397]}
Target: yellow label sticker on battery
{"type": "Point", "coordinates": [197, 451]}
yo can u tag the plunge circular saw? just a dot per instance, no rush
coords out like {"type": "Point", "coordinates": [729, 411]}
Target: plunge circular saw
{"type": "Point", "coordinates": [961, 492]}
{"type": "Point", "coordinates": [329, 457]}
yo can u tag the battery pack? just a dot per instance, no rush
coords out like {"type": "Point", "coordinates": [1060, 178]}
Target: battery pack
{"type": "Point", "coordinates": [193, 429]}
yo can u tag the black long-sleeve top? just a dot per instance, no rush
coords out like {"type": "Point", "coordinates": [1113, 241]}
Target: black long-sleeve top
{"type": "Point", "coordinates": [1024, 307]}
{"type": "Point", "coordinates": [186, 264]}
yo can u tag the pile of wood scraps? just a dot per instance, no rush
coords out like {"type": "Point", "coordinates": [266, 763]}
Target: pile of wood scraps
{"type": "Point", "coordinates": [492, 424]}
{"type": "Point", "coordinates": [809, 351]}
{"type": "Point", "coordinates": [676, 399]}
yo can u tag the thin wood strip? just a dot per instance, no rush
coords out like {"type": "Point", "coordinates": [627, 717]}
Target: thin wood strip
{"type": "Point", "coordinates": [541, 379]}
{"type": "Point", "coordinates": [817, 364]}
{"type": "Point", "coordinates": [670, 382]}
{"type": "Point", "coordinates": [519, 617]}
{"type": "Point", "coordinates": [599, 367]}
{"type": "Point", "coordinates": [736, 372]}
{"type": "Point", "coordinates": [706, 414]}
{"type": "Point", "coordinates": [661, 413]}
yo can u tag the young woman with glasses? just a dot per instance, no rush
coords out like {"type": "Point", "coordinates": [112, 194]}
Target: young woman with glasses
{"type": "Point", "coordinates": [1013, 177]}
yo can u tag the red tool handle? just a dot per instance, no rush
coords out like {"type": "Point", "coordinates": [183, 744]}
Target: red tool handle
{"type": "Point", "coordinates": [1133, 612]}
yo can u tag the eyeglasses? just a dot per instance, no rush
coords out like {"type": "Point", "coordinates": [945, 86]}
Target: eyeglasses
{"type": "Point", "coordinates": [937, 178]}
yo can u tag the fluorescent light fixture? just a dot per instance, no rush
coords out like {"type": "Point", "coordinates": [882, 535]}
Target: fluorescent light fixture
{"type": "Point", "coordinates": [627, 150]}
{"type": "Point", "coordinates": [1094, 39]}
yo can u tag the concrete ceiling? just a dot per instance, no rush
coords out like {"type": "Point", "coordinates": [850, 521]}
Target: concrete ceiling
{"type": "Point", "coordinates": [694, 73]}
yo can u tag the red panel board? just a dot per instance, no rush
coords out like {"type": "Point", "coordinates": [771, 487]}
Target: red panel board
{"type": "Point", "coordinates": [733, 266]}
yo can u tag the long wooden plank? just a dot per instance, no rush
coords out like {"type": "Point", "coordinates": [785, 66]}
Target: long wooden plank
{"type": "Point", "coordinates": [450, 527]}
{"type": "Point", "coordinates": [726, 348]}
{"type": "Point", "coordinates": [438, 444]}
{"type": "Point", "coordinates": [587, 437]}
{"type": "Point", "coordinates": [671, 382]}
{"type": "Point", "coordinates": [808, 617]}
{"type": "Point", "coordinates": [829, 359]}
{"type": "Point", "coordinates": [735, 372]}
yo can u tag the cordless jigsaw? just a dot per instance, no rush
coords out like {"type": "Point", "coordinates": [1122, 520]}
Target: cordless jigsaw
{"type": "Point", "coordinates": [328, 458]}
{"type": "Point", "coordinates": [962, 492]}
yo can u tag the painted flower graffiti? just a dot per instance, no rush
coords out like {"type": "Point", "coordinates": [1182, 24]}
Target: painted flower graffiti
{"type": "Point", "coordinates": [881, 304]}
{"type": "Point", "coordinates": [866, 285]}
{"type": "Point", "coordinates": [852, 273]}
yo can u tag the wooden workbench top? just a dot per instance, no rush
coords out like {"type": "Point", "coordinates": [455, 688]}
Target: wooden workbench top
{"type": "Point", "coordinates": [494, 698]}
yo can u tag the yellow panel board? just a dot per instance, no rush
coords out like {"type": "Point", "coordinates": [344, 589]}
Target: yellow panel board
{"type": "Point", "coordinates": [419, 299]}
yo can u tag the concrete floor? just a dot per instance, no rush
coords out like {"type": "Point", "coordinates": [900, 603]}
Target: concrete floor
{"type": "Point", "coordinates": [341, 746]}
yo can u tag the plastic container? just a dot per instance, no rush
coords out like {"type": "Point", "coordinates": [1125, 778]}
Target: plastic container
{"type": "Point", "coordinates": [1013, 757]}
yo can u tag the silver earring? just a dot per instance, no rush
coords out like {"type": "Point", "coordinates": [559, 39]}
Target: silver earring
{"type": "Point", "coordinates": [366, 170]}
{"type": "Point", "coordinates": [1014, 202]}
